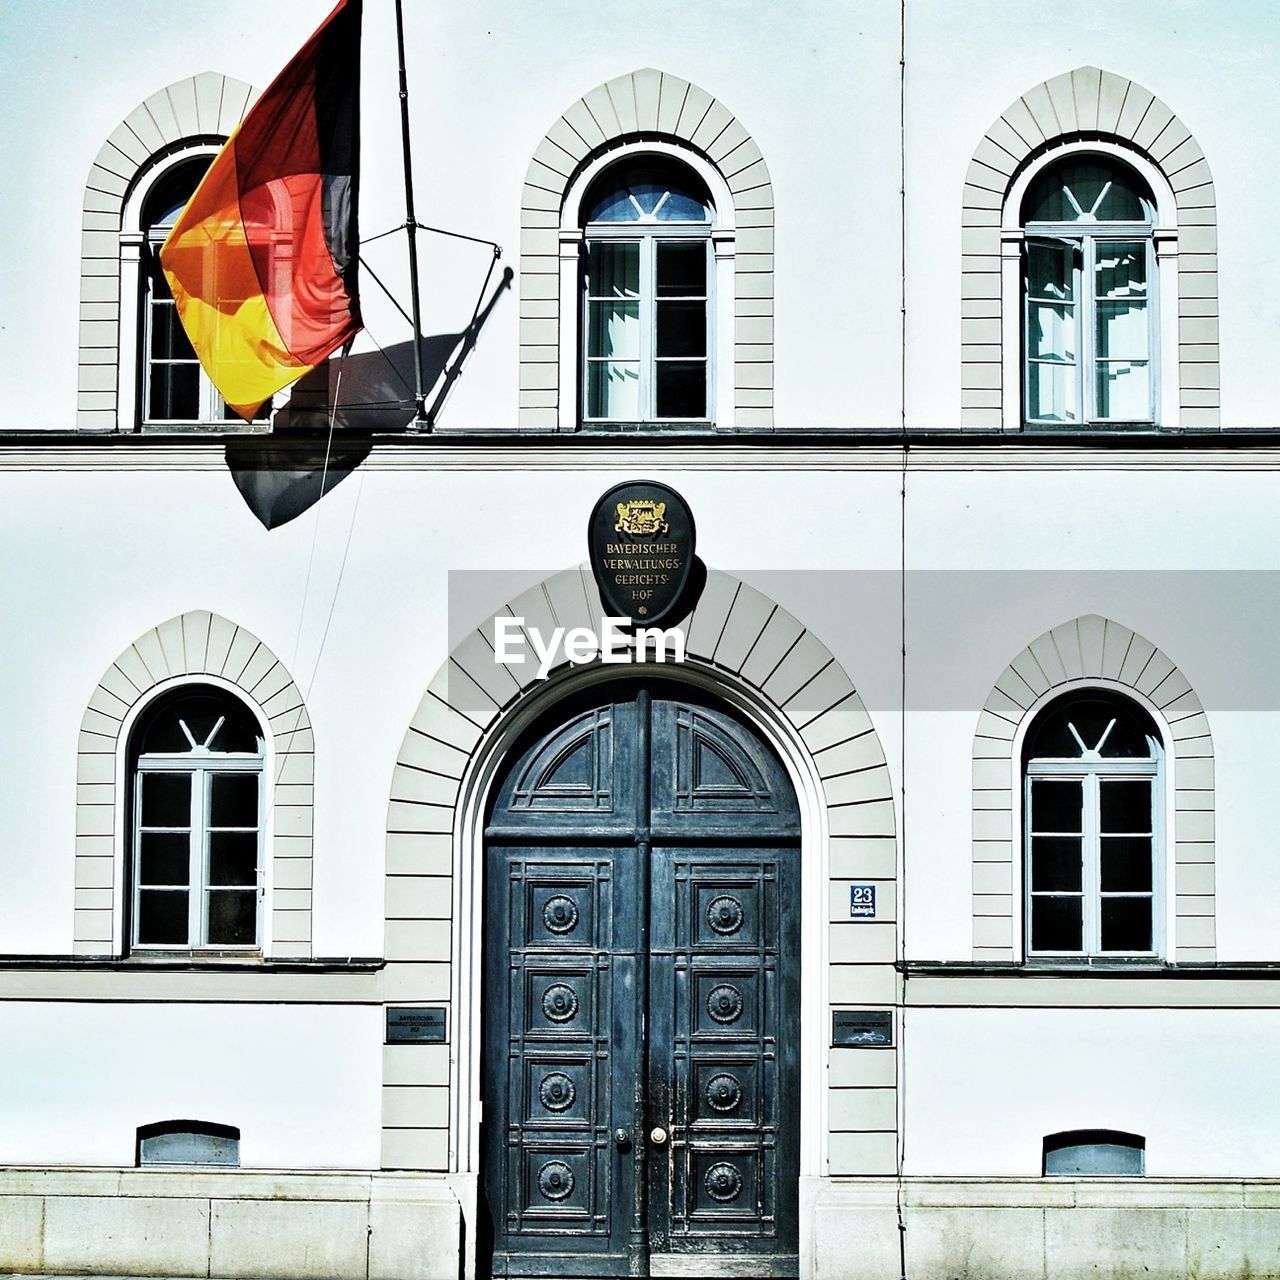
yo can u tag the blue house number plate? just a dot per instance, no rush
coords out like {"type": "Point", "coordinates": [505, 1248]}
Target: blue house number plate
{"type": "Point", "coordinates": [862, 900]}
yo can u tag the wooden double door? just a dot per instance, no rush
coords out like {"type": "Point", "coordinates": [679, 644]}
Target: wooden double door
{"type": "Point", "coordinates": [641, 1106]}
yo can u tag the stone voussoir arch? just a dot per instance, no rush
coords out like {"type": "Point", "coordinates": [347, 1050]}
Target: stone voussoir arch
{"type": "Point", "coordinates": [1076, 107]}
{"type": "Point", "coordinates": [200, 108]}
{"type": "Point", "coordinates": [1091, 649]}
{"type": "Point", "coordinates": [645, 105]}
{"type": "Point", "coordinates": [185, 648]}
{"type": "Point", "coordinates": [749, 643]}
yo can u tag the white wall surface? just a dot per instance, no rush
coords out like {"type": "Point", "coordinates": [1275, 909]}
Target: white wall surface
{"type": "Point", "coordinates": [302, 1083]}
{"type": "Point", "coordinates": [121, 551]}
{"type": "Point", "coordinates": [983, 1087]}
{"type": "Point", "coordinates": [816, 85]}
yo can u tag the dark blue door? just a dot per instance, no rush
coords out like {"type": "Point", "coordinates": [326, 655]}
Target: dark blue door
{"type": "Point", "coordinates": [642, 994]}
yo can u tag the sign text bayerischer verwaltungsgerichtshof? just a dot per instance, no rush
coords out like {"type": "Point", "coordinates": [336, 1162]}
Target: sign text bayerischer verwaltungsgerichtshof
{"type": "Point", "coordinates": [641, 541]}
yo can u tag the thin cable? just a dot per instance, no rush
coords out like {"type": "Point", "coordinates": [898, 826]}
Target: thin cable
{"type": "Point", "coordinates": [284, 752]}
{"type": "Point", "coordinates": [902, 575]}
{"type": "Point", "coordinates": [337, 586]}
{"type": "Point", "coordinates": [315, 529]}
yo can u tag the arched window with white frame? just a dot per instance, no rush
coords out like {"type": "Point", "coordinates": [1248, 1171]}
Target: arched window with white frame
{"type": "Point", "coordinates": [648, 294]}
{"type": "Point", "coordinates": [1127, 340]}
{"type": "Point", "coordinates": [1092, 830]}
{"type": "Point", "coordinates": [197, 820]}
{"type": "Point", "coordinates": [1091, 332]}
{"type": "Point", "coordinates": [173, 387]}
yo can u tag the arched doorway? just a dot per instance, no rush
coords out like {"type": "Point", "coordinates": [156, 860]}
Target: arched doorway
{"type": "Point", "coordinates": [642, 993]}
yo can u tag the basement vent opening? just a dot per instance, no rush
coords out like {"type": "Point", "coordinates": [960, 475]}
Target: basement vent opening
{"type": "Point", "coordinates": [187, 1142]}
{"type": "Point", "coordinates": [1095, 1153]}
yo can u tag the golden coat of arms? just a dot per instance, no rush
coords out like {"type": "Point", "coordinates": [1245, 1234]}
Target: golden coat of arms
{"type": "Point", "coordinates": [641, 518]}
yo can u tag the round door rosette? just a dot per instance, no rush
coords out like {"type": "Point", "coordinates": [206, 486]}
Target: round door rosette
{"type": "Point", "coordinates": [725, 914]}
{"type": "Point", "coordinates": [724, 1003]}
{"type": "Point", "coordinates": [555, 1180]}
{"type": "Point", "coordinates": [556, 1092]}
{"type": "Point", "coordinates": [723, 1092]}
{"type": "Point", "coordinates": [723, 1182]}
{"type": "Point", "coordinates": [560, 914]}
{"type": "Point", "coordinates": [560, 1003]}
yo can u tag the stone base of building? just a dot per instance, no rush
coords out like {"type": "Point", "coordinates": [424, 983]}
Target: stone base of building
{"type": "Point", "coordinates": [404, 1226]}
{"type": "Point", "coordinates": [339, 1226]}
{"type": "Point", "coordinates": [1040, 1229]}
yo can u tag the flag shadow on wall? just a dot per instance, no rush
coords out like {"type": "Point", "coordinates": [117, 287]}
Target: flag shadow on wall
{"type": "Point", "coordinates": [283, 474]}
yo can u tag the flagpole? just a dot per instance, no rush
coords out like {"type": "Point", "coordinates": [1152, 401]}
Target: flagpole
{"type": "Point", "coordinates": [420, 420]}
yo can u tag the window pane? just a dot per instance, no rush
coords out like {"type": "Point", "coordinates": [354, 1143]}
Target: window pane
{"type": "Point", "coordinates": [1126, 806]}
{"type": "Point", "coordinates": [233, 858]}
{"type": "Point", "coordinates": [168, 337]}
{"type": "Point", "coordinates": [1126, 924]}
{"type": "Point", "coordinates": [1056, 864]}
{"type": "Point", "coordinates": [1051, 332]}
{"type": "Point", "coordinates": [1126, 864]}
{"type": "Point", "coordinates": [682, 269]}
{"type": "Point", "coordinates": [613, 391]}
{"type": "Point", "coordinates": [234, 800]}
{"type": "Point", "coordinates": [682, 389]}
{"type": "Point", "coordinates": [653, 189]}
{"type": "Point", "coordinates": [1051, 270]}
{"type": "Point", "coordinates": [211, 717]}
{"type": "Point", "coordinates": [613, 270]}
{"type": "Point", "coordinates": [1120, 270]}
{"type": "Point", "coordinates": [166, 800]}
{"type": "Point", "coordinates": [682, 328]}
{"type": "Point", "coordinates": [164, 859]}
{"type": "Point", "coordinates": [1124, 391]}
{"type": "Point", "coordinates": [1122, 330]}
{"type": "Point", "coordinates": [162, 917]}
{"type": "Point", "coordinates": [614, 330]}
{"type": "Point", "coordinates": [1055, 924]}
{"type": "Point", "coordinates": [1052, 393]}
{"type": "Point", "coordinates": [1056, 805]}
{"type": "Point", "coordinates": [232, 917]}
{"type": "Point", "coordinates": [175, 392]}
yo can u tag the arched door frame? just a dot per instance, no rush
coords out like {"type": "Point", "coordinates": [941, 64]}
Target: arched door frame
{"type": "Point", "coordinates": [487, 764]}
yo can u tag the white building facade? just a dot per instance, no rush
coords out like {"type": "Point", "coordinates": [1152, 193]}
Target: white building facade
{"type": "Point", "coordinates": [911, 916]}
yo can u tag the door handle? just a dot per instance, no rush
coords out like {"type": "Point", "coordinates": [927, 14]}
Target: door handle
{"type": "Point", "coordinates": [621, 1139]}
{"type": "Point", "coordinates": [658, 1136]}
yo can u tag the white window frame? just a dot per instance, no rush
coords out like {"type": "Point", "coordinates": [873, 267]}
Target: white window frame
{"type": "Point", "coordinates": [648, 236]}
{"type": "Point", "coordinates": [720, 283]}
{"type": "Point", "coordinates": [1085, 244]}
{"type": "Point", "coordinates": [137, 244]}
{"type": "Point", "coordinates": [201, 765]}
{"type": "Point", "coordinates": [1162, 280]}
{"type": "Point", "coordinates": [1089, 771]}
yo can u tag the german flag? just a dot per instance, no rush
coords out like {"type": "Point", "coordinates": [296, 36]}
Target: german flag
{"type": "Point", "coordinates": [262, 261]}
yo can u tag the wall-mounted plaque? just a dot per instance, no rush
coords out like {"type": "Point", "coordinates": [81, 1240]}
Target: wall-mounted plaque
{"type": "Point", "coordinates": [862, 901]}
{"type": "Point", "coordinates": [640, 541]}
{"type": "Point", "coordinates": [416, 1026]}
{"type": "Point", "coordinates": [865, 1028]}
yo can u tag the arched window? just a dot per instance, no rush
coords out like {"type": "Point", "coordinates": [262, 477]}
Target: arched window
{"type": "Point", "coordinates": [196, 762]}
{"type": "Point", "coordinates": [1091, 818]}
{"type": "Point", "coordinates": [647, 294]}
{"type": "Point", "coordinates": [1090, 323]}
{"type": "Point", "coordinates": [175, 388]}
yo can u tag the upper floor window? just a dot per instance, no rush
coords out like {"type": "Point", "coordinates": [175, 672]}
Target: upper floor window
{"type": "Point", "coordinates": [648, 292]}
{"type": "Point", "coordinates": [197, 822]}
{"type": "Point", "coordinates": [1091, 816]}
{"type": "Point", "coordinates": [175, 387]}
{"type": "Point", "coordinates": [1090, 322]}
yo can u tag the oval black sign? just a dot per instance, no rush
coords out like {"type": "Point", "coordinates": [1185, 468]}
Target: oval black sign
{"type": "Point", "coordinates": [641, 542]}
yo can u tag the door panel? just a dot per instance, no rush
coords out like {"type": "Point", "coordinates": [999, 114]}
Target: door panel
{"type": "Point", "coordinates": [635, 983]}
